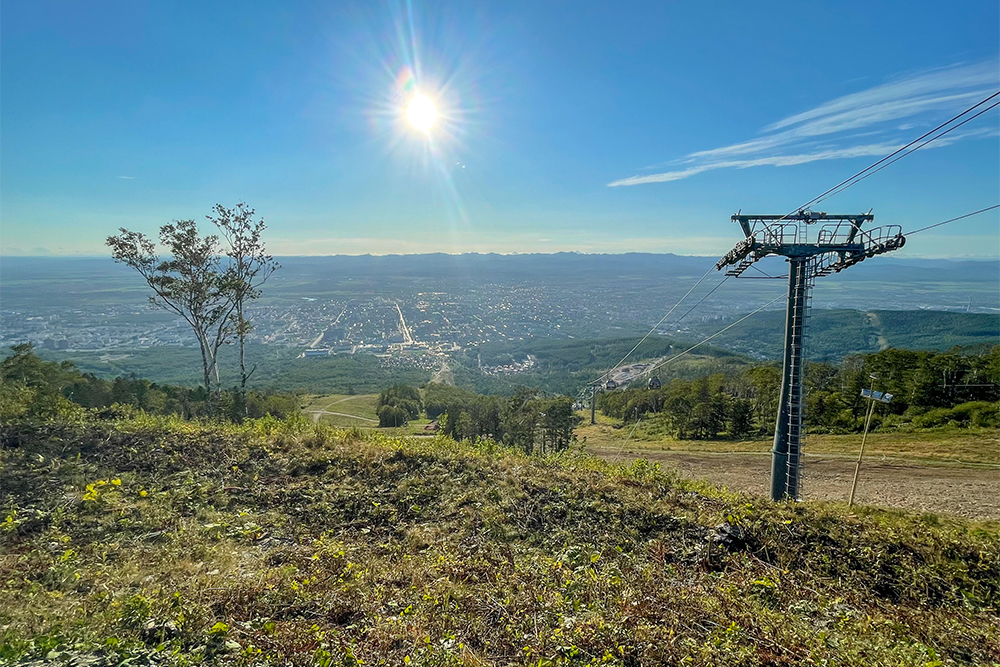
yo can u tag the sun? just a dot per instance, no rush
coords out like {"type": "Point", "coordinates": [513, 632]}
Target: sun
{"type": "Point", "coordinates": [421, 112]}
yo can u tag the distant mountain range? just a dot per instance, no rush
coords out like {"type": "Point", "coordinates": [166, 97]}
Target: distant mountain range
{"type": "Point", "coordinates": [482, 265]}
{"type": "Point", "coordinates": [579, 265]}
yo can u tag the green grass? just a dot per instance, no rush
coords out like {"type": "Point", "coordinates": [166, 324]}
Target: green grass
{"type": "Point", "coordinates": [292, 543]}
{"type": "Point", "coordinates": [333, 409]}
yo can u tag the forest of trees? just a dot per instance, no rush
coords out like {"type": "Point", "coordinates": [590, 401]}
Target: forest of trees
{"type": "Point", "coordinates": [528, 419]}
{"type": "Point", "coordinates": [397, 405]}
{"type": "Point", "coordinates": [34, 389]}
{"type": "Point", "coordinates": [929, 388]}
{"type": "Point", "coordinates": [959, 388]}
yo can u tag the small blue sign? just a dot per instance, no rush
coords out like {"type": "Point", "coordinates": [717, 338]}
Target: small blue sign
{"type": "Point", "coordinates": [877, 395]}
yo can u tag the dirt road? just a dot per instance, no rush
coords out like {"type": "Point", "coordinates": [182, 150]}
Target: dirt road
{"type": "Point", "coordinates": [325, 410]}
{"type": "Point", "coordinates": [317, 413]}
{"type": "Point", "coordinates": [965, 491]}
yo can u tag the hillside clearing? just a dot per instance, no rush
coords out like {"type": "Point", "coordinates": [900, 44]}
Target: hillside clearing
{"type": "Point", "coordinates": [932, 446]}
{"type": "Point", "coordinates": [356, 411]}
{"type": "Point", "coordinates": [947, 471]}
{"type": "Point", "coordinates": [342, 410]}
{"type": "Point", "coordinates": [284, 543]}
{"type": "Point", "coordinates": [966, 492]}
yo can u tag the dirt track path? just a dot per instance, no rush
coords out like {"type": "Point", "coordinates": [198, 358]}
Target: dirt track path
{"type": "Point", "coordinates": [325, 410]}
{"type": "Point", "coordinates": [316, 415]}
{"type": "Point", "coordinates": [968, 492]}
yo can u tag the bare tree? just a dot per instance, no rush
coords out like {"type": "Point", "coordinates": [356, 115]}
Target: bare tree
{"type": "Point", "coordinates": [249, 268]}
{"type": "Point", "coordinates": [189, 282]}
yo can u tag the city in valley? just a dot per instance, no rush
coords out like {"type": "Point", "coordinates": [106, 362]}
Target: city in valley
{"type": "Point", "coordinates": [338, 305]}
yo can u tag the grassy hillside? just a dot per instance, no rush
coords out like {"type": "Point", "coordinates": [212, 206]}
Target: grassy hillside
{"type": "Point", "coordinates": [275, 543]}
{"type": "Point", "coordinates": [342, 410]}
{"type": "Point", "coordinates": [357, 412]}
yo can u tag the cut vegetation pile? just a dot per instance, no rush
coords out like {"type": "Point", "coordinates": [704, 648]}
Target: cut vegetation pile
{"type": "Point", "coordinates": [170, 543]}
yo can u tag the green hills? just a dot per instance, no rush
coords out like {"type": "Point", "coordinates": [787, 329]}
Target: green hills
{"type": "Point", "coordinates": [833, 334]}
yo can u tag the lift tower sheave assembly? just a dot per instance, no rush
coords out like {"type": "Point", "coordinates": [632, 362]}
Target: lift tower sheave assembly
{"type": "Point", "coordinates": [839, 242]}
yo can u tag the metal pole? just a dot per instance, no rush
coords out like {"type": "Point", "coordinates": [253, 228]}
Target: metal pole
{"type": "Point", "coordinates": [593, 404]}
{"type": "Point", "coordinates": [857, 468]}
{"type": "Point", "coordinates": [796, 395]}
{"type": "Point", "coordinates": [779, 450]}
{"type": "Point", "coordinates": [788, 424]}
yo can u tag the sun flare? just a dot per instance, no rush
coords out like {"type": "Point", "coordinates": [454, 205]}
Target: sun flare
{"type": "Point", "coordinates": [421, 113]}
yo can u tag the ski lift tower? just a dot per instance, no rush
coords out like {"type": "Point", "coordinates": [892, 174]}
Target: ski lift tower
{"type": "Point", "coordinates": [838, 244]}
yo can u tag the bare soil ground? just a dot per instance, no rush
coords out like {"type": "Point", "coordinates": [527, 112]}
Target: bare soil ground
{"type": "Point", "coordinates": [964, 491]}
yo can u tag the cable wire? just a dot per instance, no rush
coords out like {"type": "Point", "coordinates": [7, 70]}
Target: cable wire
{"type": "Point", "coordinates": [702, 300]}
{"type": "Point", "coordinates": [900, 157]}
{"type": "Point", "coordinates": [861, 175]}
{"type": "Point", "coordinates": [762, 276]}
{"type": "Point", "coordinates": [655, 326]}
{"type": "Point", "coordinates": [873, 168]}
{"type": "Point", "coordinates": [705, 340]}
{"type": "Point", "coordinates": [622, 448]}
{"type": "Point", "coordinates": [961, 217]}
{"type": "Point", "coordinates": [896, 152]}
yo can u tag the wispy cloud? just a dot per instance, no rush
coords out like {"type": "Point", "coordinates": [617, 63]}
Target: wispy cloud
{"type": "Point", "coordinates": [127, 178]}
{"type": "Point", "coordinates": [832, 130]}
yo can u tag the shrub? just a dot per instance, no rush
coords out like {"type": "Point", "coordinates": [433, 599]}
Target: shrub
{"type": "Point", "coordinates": [403, 397]}
{"type": "Point", "coordinates": [973, 413]}
{"type": "Point", "coordinates": [390, 416]}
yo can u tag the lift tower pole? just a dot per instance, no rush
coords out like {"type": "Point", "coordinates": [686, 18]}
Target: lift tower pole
{"type": "Point", "coordinates": [839, 243]}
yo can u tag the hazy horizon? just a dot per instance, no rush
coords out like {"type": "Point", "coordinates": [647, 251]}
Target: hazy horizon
{"type": "Point", "coordinates": [896, 258]}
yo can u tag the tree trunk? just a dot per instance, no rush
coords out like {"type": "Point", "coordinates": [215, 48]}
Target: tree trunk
{"type": "Point", "coordinates": [206, 367]}
{"type": "Point", "coordinates": [215, 372]}
{"type": "Point", "coordinates": [241, 331]}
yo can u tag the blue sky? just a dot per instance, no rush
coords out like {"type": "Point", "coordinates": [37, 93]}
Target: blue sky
{"type": "Point", "coordinates": [597, 127]}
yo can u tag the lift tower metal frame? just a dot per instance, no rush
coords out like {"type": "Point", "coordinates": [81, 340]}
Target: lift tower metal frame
{"type": "Point", "coordinates": [839, 243]}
